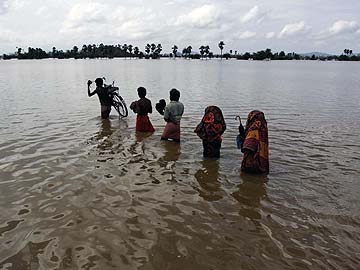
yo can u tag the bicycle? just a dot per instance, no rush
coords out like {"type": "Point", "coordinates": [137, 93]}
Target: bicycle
{"type": "Point", "coordinates": [117, 101]}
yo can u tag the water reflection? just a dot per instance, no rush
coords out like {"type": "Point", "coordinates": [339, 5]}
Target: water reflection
{"type": "Point", "coordinates": [141, 136]}
{"type": "Point", "coordinates": [249, 194]}
{"type": "Point", "coordinates": [208, 179]}
{"type": "Point", "coordinates": [172, 151]}
{"type": "Point", "coordinates": [104, 134]}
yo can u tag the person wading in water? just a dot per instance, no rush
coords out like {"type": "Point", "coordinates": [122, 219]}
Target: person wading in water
{"type": "Point", "coordinates": [104, 97]}
{"type": "Point", "coordinates": [142, 108]}
{"type": "Point", "coordinates": [172, 115]}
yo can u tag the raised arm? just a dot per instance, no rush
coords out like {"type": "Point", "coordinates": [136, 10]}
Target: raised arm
{"type": "Point", "coordinates": [89, 92]}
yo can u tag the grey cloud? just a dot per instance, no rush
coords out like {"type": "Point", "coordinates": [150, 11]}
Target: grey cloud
{"type": "Point", "coordinates": [4, 6]}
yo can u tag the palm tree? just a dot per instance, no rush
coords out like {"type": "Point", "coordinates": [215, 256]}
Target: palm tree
{"type": "Point", "coordinates": [158, 49]}
{"type": "Point", "coordinates": [147, 48]}
{"type": "Point", "coordinates": [130, 48]}
{"type": "Point", "coordinates": [54, 50]}
{"type": "Point", "coordinates": [207, 50]}
{"type": "Point", "coordinates": [153, 48]}
{"type": "Point", "coordinates": [136, 50]}
{"type": "Point", "coordinates": [174, 50]}
{"type": "Point", "coordinates": [221, 46]}
{"type": "Point", "coordinates": [202, 50]}
{"type": "Point", "coordinates": [125, 47]}
{"type": "Point", "coordinates": [189, 48]}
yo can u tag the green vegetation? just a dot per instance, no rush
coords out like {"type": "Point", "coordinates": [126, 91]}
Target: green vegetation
{"type": "Point", "coordinates": [153, 51]}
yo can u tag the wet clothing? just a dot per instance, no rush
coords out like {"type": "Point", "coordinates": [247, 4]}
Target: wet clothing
{"type": "Point", "coordinates": [105, 111]}
{"type": "Point", "coordinates": [256, 144]}
{"type": "Point", "coordinates": [143, 124]}
{"type": "Point", "coordinates": [143, 107]}
{"type": "Point", "coordinates": [173, 112]}
{"type": "Point", "coordinates": [171, 131]}
{"type": "Point", "coordinates": [210, 129]}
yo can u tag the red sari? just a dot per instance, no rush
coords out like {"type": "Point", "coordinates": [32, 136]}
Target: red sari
{"type": "Point", "coordinates": [143, 124]}
{"type": "Point", "coordinates": [256, 144]}
{"type": "Point", "coordinates": [143, 107]}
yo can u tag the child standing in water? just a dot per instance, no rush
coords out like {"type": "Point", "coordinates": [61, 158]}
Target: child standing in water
{"type": "Point", "coordinates": [172, 115]}
{"type": "Point", "coordinates": [142, 108]}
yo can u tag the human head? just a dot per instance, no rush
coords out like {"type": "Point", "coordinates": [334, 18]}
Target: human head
{"type": "Point", "coordinates": [174, 95]}
{"type": "Point", "coordinates": [141, 91]}
{"type": "Point", "coordinates": [254, 116]}
{"type": "Point", "coordinates": [99, 82]}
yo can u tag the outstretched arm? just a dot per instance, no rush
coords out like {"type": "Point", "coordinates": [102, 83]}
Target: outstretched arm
{"type": "Point", "coordinates": [89, 92]}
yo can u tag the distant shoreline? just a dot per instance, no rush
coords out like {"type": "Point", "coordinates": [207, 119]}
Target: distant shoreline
{"type": "Point", "coordinates": [153, 51]}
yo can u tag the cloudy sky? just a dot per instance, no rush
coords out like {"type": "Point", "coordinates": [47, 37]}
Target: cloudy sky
{"type": "Point", "coordinates": [247, 25]}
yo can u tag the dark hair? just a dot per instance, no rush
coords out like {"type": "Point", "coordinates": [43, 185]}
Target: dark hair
{"type": "Point", "coordinates": [174, 95]}
{"type": "Point", "coordinates": [99, 82]}
{"type": "Point", "coordinates": [141, 91]}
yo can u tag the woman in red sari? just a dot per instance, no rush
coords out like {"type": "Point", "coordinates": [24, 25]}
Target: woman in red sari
{"type": "Point", "coordinates": [142, 107]}
{"type": "Point", "coordinates": [210, 129]}
{"type": "Point", "coordinates": [256, 144]}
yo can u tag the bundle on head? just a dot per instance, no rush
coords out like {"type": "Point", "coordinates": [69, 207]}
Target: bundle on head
{"type": "Point", "coordinates": [160, 106]}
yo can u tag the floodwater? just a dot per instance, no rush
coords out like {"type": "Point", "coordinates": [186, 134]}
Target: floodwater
{"type": "Point", "coordinates": [80, 193]}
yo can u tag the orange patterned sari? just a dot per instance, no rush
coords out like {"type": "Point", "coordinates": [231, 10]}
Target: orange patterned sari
{"type": "Point", "coordinates": [256, 144]}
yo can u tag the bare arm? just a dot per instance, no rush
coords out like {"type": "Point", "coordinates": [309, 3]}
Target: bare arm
{"type": "Point", "coordinates": [89, 92]}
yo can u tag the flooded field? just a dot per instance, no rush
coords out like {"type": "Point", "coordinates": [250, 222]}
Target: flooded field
{"type": "Point", "coordinates": [77, 192]}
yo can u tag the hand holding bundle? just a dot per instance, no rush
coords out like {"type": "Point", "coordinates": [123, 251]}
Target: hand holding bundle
{"type": "Point", "coordinates": [160, 106]}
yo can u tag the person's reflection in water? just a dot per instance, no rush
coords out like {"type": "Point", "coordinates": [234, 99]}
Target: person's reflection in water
{"type": "Point", "coordinates": [172, 151]}
{"type": "Point", "coordinates": [140, 136]}
{"type": "Point", "coordinates": [249, 194]}
{"type": "Point", "coordinates": [104, 136]}
{"type": "Point", "coordinates": [207, 177]}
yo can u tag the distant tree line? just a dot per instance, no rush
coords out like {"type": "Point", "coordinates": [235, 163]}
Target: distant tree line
{"type": "Point", "coordinates": [154, 51]}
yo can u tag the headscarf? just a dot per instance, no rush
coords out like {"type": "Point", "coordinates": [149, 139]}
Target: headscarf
{"type": "Point", "coordinates": [212, 125]}
{"type": "Point", "coordinates": [256, 144]}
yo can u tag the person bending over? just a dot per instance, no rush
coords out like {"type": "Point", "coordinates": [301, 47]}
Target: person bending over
{"type": "Point", "coordinates": [142, 108]}
{"type": "Point", "coordinates": [104, 97]}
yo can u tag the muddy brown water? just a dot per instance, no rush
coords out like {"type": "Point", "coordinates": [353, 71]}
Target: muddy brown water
{"type": "Point", "coordinates": [80, 193]}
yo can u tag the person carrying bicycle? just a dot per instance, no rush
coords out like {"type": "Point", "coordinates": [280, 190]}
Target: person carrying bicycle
{"type": "Point", "coordinates": [104, 97]}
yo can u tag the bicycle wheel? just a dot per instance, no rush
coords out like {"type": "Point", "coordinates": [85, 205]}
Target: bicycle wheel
{"type": "Point", "coordinates": [120, 105]}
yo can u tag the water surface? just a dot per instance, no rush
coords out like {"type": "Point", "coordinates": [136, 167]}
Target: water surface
{"type": "Point", "coordinates": [77, 192]}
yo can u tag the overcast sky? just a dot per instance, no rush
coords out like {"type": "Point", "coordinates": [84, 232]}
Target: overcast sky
{"type": "Point", "coordinates": [247, 25]}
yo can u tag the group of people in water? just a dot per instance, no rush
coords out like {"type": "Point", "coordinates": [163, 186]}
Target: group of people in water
{"type": "Point", "coordinates": [252, 139]}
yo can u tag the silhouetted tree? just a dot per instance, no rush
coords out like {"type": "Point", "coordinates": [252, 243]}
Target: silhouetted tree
{"type": "Point", "coordinates": [207, 50]}
{"type": "Point", "coordinates": [202, 50]}
{"type": "Point", "coordinates": [221, 46]}
{"type": "Point", "coordinates": [188, 50]}
{"type": "Point", "coordinates": [147, 48]}
{"type": "Point", "coordinates": [174, 50]}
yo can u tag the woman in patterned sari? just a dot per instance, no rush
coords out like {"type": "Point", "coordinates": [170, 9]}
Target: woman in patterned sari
{"type": "Point", "coordinates": [210, 129]}
{"type": "Point", "coordinates": [256, 144]}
